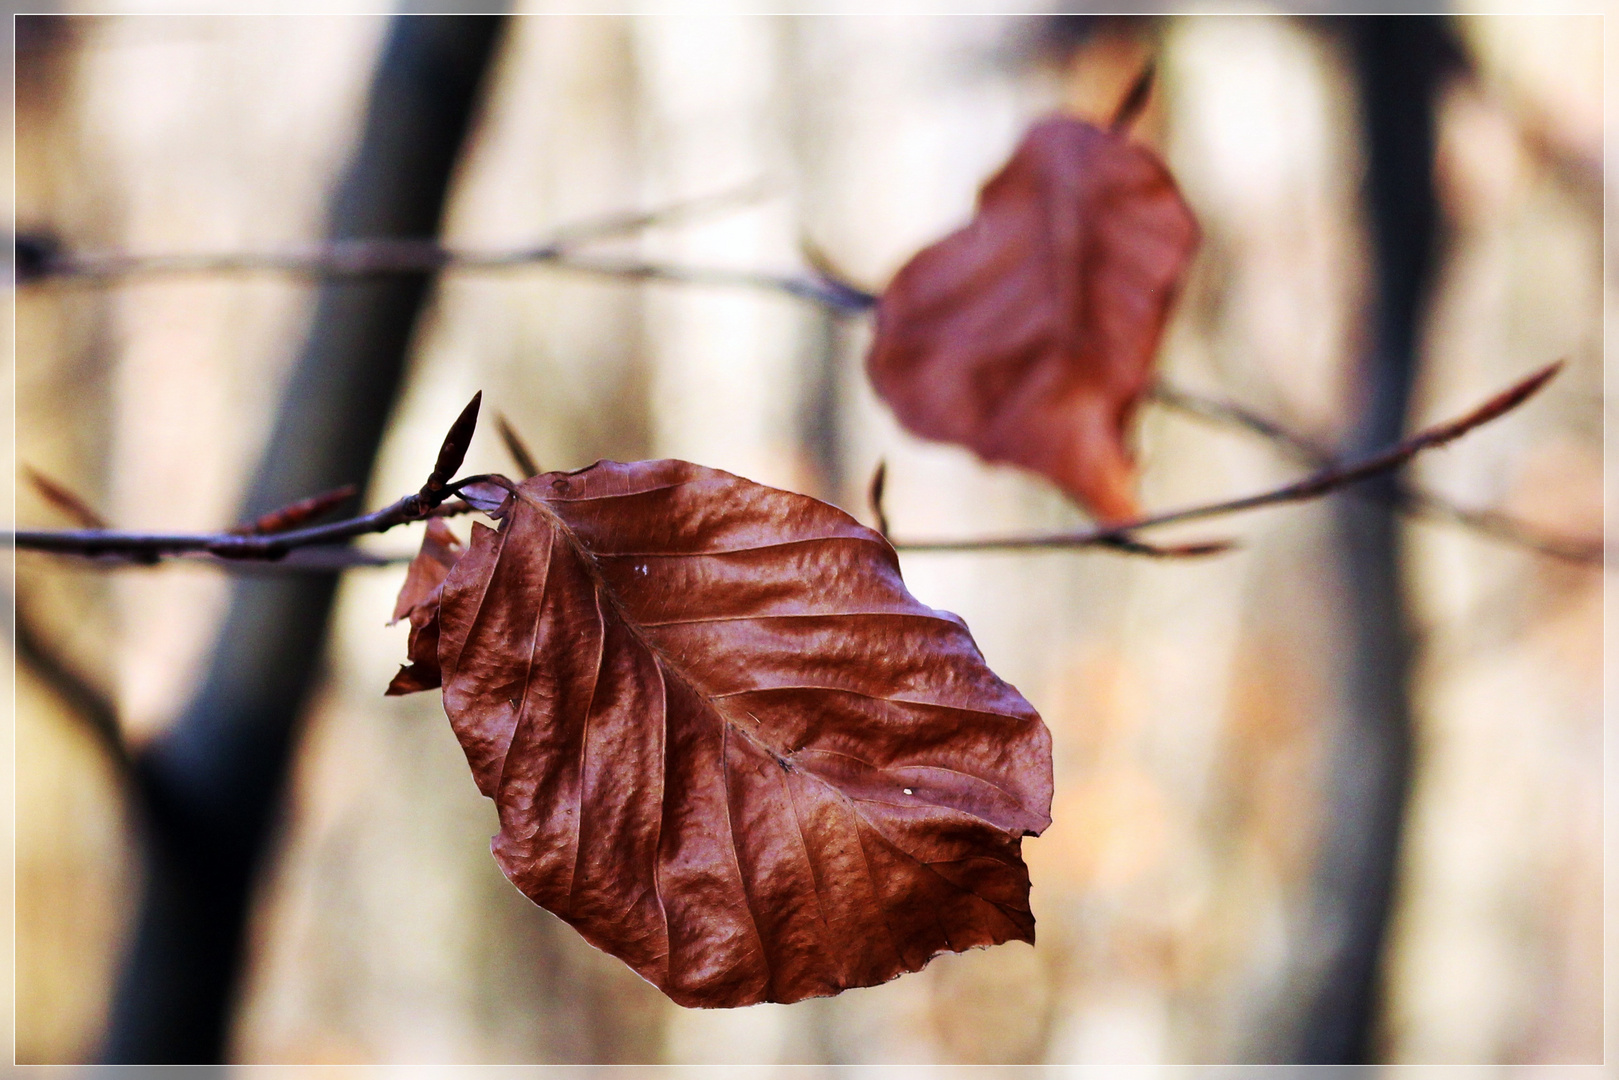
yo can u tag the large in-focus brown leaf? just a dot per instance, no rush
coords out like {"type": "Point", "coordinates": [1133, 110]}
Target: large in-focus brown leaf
{"type": "Point", "coordinates": [723, 740]}
{"type": "Point", "coordinates": [1029, 334]}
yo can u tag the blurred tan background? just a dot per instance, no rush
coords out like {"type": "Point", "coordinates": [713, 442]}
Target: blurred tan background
{"type": "Point", "coordinates": [1190, 702]}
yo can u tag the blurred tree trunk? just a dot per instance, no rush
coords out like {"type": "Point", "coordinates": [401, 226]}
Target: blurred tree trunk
{"type": "Point", "coordinates": [1398, 63]}
{"type": "Point", "coordinates": [211, 784]}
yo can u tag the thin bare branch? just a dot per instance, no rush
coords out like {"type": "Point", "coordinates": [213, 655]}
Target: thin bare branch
{"type": "Point", "coordinates": [829, 294]}
{"type": "Point", "coordinates": [1322, 481]}
{"type": "Point", "coordinates": [362, 257]}
{"type": "Point", "coordinates": [1195, 550]}
{"type": "Point", "coordinates": [621, 224]}
{"type": "Point", "coordinates": [1505, 527]}
{"type": "Point", "coordinates": [149, 547]}
{"type": "Point", "coordinates": [1407, 494]}
{"type": "Point", "coordinates": [1298, 446]}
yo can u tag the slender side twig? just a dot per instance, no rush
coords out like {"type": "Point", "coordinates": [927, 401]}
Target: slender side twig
{"type": "Point", "coordinates": [367, 256]}
{"type": "Point", "coordinates": [1318, 483]}
{"type": "Point", "coordinates": [851, 298]}
{"type": "Point", "coordinates": [83, 699]}
{"type": "Point", "coordinates": [282, 519]}
{"type": "Point", "coordinates": [1407, 495]}
{"type": "Point", "coordinates": [430, 501]}
{"type": "Point", "coordinates": [1127, 544]}
{"type": "Point", "coordinates": [146, 547]}
{"type": "Point", "coordinates": [370, 257]}
{"type": "Point", "coordinates": [815, 289]}
{"type": "Point", "coordinates": [823, 286]}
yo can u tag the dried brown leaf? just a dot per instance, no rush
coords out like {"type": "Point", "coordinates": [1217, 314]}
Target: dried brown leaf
{"type": "Point", "coordinates": [418, 601]}
{"type": "Point", "coordinates": [725, 743]}
{"type": "Point", "coordinates": [1029, 335]}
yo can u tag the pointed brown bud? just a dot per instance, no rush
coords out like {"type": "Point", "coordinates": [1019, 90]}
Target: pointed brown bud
{"type": "Point", "coordinates": [452, 453]}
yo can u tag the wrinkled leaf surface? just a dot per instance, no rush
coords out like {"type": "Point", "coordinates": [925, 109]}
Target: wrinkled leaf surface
{"type": "Point", "coordinates": [1029, 335]}
{"type": "Point", "coordinates": [724, 742]}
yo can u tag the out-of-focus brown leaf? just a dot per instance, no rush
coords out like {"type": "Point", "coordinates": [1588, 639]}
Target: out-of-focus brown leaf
{"type": "Point", "coordinates": [1029, 334]}
{"type": "Point", "coordinates": [725, 743]}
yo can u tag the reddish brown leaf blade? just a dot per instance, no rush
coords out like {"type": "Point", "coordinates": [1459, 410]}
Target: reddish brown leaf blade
{"type": "Point", "coordinates": [418, 601]}
{"type": "Point", "coordinates": [1029, 335]}
{"type": "Point", "coordinates": [727, 745]}
{"type": "Point", "coordinates": [299, 513]}
{"type": "Point", "coordinates": [65, 501]}
{"type": "Point", "coordinates": [440, 550]}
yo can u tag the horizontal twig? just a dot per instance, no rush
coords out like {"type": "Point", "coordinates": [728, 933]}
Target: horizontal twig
{"type": "Point", "coordinates": [321, 548]}
{"type": "Point", "coordinates": [810, 287]}
{"type": "Point", "coordinates": [1406, 494]}
{"type": "Point", "coordinates": [236, 544]}
{"type": "Point", "coordinates": [372, 257]}
{"type": "Point", "coordinates": [39, 259]}
{"type": "Point", "coordinates": [1320, 482]}
{"type": "Point", "coordinates": [149, 547]}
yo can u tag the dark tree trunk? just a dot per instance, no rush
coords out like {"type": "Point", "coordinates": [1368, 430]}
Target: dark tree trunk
{"type": "Point", "coordinates": [212, 783]}
{"type": "Point", "coordinates": [1399, 62]}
